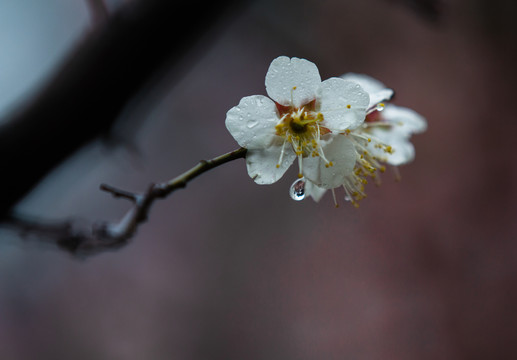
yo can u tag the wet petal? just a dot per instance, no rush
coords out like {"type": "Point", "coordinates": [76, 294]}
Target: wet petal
{"type": "Point", "coordinates": [378, 91]}
{"type": "Point", "coordinates": [342, 103]}
{"type": "Point", "coordinates": [338, 149]}
{"type": "Point", "coordinates": [292, 81]}
{"type": "Point", "coordinates": [404, 119]}
{"type": "Point", "coordinates": [262, 163]}
{"type": "Point", "coordinates": [403, 149]}
{"type": "Point", "coordinates": [314, 191]}
{"type": "Point", "coordinates": [252, 122]}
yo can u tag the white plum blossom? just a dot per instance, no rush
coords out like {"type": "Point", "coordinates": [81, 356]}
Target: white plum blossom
{"type": "Point", "coordinates": [388, 124]}
{"type": "Point", "coordinates": [303, 118]}
{"type": "Point", "coordinates": [383, 138]}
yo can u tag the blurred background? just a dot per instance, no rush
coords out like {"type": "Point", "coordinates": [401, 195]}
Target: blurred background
{"type": "Point", "coordinates": [226, 269]}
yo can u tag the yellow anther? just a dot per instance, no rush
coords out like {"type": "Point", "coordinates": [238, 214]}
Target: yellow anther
{"type": "Point", "coordinates": [348, 106]}
{"type": "Point", "coordinates": [300, 176]}
{"type": "Point", "coordinates": [277, 166]}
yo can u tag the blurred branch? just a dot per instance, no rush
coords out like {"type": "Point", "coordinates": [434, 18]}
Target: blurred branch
{"type": "Point", "coordinates": [92, 86]}
{"type": "Point", "coordinates": [430, 10]}
{"type": "Point", "coordinates": [104, 235]}
{"type": "Point", "coordinates": [98, 11]}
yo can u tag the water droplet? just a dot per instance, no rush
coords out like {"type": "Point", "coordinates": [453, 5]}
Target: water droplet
{"type": "Point", "coordinates": [297, 190]}
{"type": "Point", "coordinates": [348, 198]}
{"type": "Point", "coordinates": [379, 107]}
{"type": "Point", "coordinates": [251, 123]}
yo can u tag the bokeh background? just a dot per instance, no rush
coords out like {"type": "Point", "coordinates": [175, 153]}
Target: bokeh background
{"type": "Point", "coordinates": [226, 269]}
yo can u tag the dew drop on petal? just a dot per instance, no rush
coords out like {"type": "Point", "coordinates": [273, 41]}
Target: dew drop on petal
{"type": "Point", "coordinates": [297, 190]}
{"type": "Point", "coordinates": [348, 198]}
{"type": "Point", "coordinates": [251, 123]}
{"type": "Point", "coordinates": [379, 107]}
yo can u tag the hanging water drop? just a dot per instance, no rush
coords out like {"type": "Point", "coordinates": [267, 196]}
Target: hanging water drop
{"type": "Point", "coordinates": [379, 107]}
{"type": "Point", "coordinates": [297, 190]}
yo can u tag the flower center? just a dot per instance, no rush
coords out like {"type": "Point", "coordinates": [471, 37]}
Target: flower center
{"type": "Point", "coordinates": [301, 127]}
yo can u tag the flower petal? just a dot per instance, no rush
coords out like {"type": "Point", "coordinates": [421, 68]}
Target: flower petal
{"type": "Point", "coordinates": [403, 149]}
{"type": "Point", "coordinates": [368, 83]}
{"type": "Point", "coordinates": [292, 82]}
{"type": "Point", "coordinates": [342, 103]}
{"type": "Point", "coordinates": [338, 149]}
{"type": "Point", "coordinates": [252, 122]}
{"type": "Point", "coordinates": [378, 91]}
{"type": "Point", "coordinates": [403, 153]}
{"type": "Point", "coordinates": [404, 119]}
{"type": "Point", "coordinates": [314, 191]}
{"type": "Point", "coordinates": [261, 163]}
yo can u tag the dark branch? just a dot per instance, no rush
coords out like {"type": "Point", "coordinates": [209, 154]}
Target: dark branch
{"type": "Point", "coordinates": [105, 236]}
{"type": "Point", "coordinates": [98, 11]}
{"type": "Point", "coordinates": [430, 10]}
{"type": "Point", "coordinates": [89, 90]}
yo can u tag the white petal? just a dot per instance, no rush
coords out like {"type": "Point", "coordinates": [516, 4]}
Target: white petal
{"type": "Point", "coordinates": [252, 122]}
{"type": "Point", "coordinates": [368, 83]}
{"type": "Point", "coordinates": [406, 120]}
{"type": "Point", "coordinates": [314, 191]}
{"type": "Point", "coordinates": [378, 91]}
{"type": "Point", "coordinates": [338, 149]}
{"type": "Point", "coordinates": [403, 149]}
{"type": "Point", "coordinates": [380, 96]}
{"type": "Point", "coordinates": [403, 153]}
{"type": "Point", "coordinates": [292, 81]}
{"type": "Point", "coordinates": [261, 163]}
{"type": "Point", "coordinates": [342, 103]}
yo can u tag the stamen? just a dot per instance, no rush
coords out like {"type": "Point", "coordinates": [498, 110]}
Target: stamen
{"type": "Point", "coordinates": [334, 197]}
{"type": "Point", "coordinates": [281, 154]}
{"type": "Point", "coordinates": [397, 173]}
{"type": "Point", "coordinates": [348, 197]}
{"type": "Point", "coordinates": [300, 166]}
{"type": "Point", "coordinates": [375, 107]}
{"type": "Point", "coordinates": [292, 98]}
{"type": "Point", "coordinates": [322, 155]}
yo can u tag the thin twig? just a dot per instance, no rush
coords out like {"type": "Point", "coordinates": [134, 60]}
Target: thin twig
{"type": "Point", "coordinates": [104, 235]}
